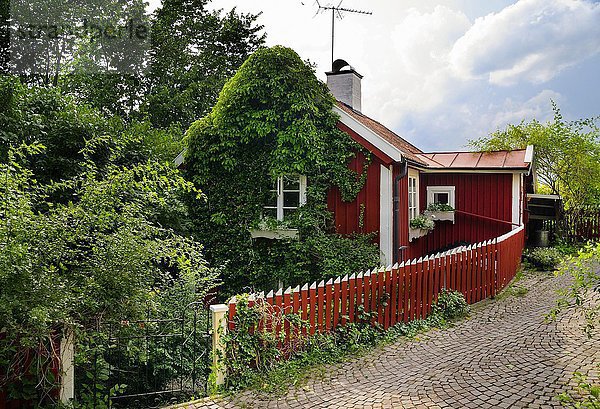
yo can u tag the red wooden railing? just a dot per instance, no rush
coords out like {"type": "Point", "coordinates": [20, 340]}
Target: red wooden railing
{"type": "Point", "coordinates": [399, 293]}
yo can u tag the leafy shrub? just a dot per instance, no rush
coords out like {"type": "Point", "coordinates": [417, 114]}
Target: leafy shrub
{"type": "Point", "coordinates": [544, 258]}
{"type": "Point", "coordinates": [422, 222]}
{"type": "Point", "coordinates": [451, 305]}
{"type": "Point", "coordinates": [440, 207]}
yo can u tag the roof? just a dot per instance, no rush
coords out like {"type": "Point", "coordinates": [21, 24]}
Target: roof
{"type": "Point", "coordinates": [516, 159]}
{"type": "Point", "coordinates": [409, 150]}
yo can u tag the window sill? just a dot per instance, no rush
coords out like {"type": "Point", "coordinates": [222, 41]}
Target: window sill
{"type": "Point", "coordinates": [275, 234]}
{"type": "Point", "coordinates": [440, 216]}
{"type": "Point", "coordinates": [416, 233]}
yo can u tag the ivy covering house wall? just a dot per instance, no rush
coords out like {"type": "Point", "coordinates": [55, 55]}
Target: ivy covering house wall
{"type": "Point", "coordinates": [273, 118]}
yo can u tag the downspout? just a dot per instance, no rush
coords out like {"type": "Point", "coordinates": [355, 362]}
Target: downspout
{"type": "Point", "coordinates": [396, 189]}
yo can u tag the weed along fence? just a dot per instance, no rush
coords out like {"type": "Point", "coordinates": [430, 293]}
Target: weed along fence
{"type": "Point", "coordinates": [399, 293]}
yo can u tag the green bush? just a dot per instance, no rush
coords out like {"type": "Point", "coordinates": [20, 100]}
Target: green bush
{"type": "Point", "coordinates": [544, 259]}
{"type": "Point", "coordinates": [451, 305]}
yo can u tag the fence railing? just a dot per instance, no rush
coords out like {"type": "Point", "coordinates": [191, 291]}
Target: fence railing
{"type": "Point", "coordinates": [398, 293]}
{"type": "Point", "coordinates": [581, 224]}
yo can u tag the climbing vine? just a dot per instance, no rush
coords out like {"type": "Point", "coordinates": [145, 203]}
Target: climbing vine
{"type": "Point", "coordinates": [274, 118]}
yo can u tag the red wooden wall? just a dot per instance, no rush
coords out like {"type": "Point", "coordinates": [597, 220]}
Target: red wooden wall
{"type": "Point", "coordinates": [347, 215]}
{"type": "Point", "coordinates": [485, 194]}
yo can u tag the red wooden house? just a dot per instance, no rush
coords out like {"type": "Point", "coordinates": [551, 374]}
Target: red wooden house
{"type": "Point", "coordinates": [486, 190]}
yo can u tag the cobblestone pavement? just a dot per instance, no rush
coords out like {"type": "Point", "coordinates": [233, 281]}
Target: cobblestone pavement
{"type": "Point", "coordinates": [504, 356]}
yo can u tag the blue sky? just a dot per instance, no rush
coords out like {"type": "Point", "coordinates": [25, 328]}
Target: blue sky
{"type": "Point", "coordinates": [442, 72]}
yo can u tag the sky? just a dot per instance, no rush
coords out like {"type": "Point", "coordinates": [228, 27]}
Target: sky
{"type": "Point", "coordinates": [440, 73]}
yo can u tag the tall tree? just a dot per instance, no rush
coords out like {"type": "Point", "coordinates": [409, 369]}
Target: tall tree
{"type": "Point", "coordinates": [194, 51]}
{"type": "Point", "coordinates": [567, 155]}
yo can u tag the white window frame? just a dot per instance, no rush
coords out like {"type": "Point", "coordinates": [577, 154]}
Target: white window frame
{"type": "Point", "coordinates": [280, 195]}
{"type": "Point", "coordinates": [450, 190]}
{"type": "Point", "coordinates": [413, 211]}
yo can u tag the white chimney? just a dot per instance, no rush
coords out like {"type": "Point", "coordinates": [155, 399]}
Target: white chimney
{"type": "Point", "coordinates": [344, 83]}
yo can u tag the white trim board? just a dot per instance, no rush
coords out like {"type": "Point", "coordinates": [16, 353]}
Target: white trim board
{"type": "Point", "coordinates": [516, 200]}
{"type": "Point", "coordinates": [385, 215]}
{"type": "Point", "coordinates": [384, 146]}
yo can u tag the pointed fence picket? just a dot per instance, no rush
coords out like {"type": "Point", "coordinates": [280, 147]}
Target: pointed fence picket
{"type": "Point", "coordinates": [398, 293]}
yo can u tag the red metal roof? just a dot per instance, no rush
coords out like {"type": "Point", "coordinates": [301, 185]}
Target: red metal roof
{"type": "Point", "coordinates": [516, 159]}
{"type": "Point", "coordinates": [476, 160]}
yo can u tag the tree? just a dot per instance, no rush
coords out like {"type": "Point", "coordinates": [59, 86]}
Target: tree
{"type": "Point", "coordinates": [273, 118]}
{"type": "Point", "coordinates": [194, 51]}
{"type": "Point", "coordinates": [567, 155]}
{"type": "Point", "coordinates": [105, 255]}
{"type": "Point", "coordinates": [45, 115]}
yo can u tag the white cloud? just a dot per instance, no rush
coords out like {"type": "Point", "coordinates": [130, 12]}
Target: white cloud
{"type": "Point", "coordinates": [531, 40]}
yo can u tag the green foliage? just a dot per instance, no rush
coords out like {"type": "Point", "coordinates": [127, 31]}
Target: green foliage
{"type": "Point", "coordinates": [253, 356]}
{"type": "Point", "coordinates": [194, 51]}
{"type": "Point", "coordinates": [65, 127]}
{"type": "Point", "coordinates": [450, 305]}
{"type": "Point", "coordinates": [440, 207]}
{"type": "Point", "coordinates": [585, 396]}
{"type": "Point", "coordinates": [102, 255]}
{"type": "Point", "coordinates": [273, 118]}
{"type": "Point", "coordinates": [567, 155]}
{"type": "Point", "coordinates": [544, 258]}
{"type": "Point", "coordinates": [586, 278]}
{"type": "Point", "coordinates": [584, 269]}
{"type": "Point", "coordinates": [422, 222]}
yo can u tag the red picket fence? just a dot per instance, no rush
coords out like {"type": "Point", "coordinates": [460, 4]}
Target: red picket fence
{"type": "Point", "coordinates": [400, 293]}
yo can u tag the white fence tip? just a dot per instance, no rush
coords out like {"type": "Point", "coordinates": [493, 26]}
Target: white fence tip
{"type": "Point", "coordinates": [330, 281]}
{"type": "Point", "coordinates": [288, 290]}
{"type": "Point", "coordinates": [322, 283]}
{"type": "Point", "coordinates": [337, 280]}
{"type": "Point", "coordinates": [270, 295]}
{"type": "Point", "coordinates": [395, 266]}
{"type": "Point", "coordinates": [305, 287]}
{"type": "Point", "coordinates": [313, 285]}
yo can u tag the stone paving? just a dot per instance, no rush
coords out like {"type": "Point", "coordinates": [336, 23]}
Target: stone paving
{"type": "Point", "coordinates": [504, 356]}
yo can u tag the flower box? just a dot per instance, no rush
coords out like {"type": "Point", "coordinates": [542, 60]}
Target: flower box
{"type": "Point", "coordinates": [437, 215]}
{"type": "Point", "coordinates": [416, 233]}
{"type": "Point", "coordinates": [275, 234]}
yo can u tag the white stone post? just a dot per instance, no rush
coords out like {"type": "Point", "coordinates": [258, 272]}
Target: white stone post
{"type": "Point", "coordinates": [219, 328]}
{"type": "Point", "coordinates": [67, 367]}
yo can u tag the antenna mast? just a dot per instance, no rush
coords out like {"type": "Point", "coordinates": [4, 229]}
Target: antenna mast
{"type": "Point", "coordinates": [338, 10]}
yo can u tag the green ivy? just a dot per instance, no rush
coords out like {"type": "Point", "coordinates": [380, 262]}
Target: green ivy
{"type": "Point", "coordinates": [273, 118]}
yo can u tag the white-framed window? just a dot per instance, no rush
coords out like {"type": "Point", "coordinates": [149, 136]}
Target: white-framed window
{"type": "Point", "coordinates": [441, 195]}
{"type": "Point", "coordinates": [287, 195]}
{"type": "Point", "coordinates": [413, 198]}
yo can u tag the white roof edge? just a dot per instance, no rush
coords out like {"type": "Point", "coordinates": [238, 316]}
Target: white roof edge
{"type": "Point", "coordinates": [528, 154]}
{"type": "Point", "coordinates": [390, 150]}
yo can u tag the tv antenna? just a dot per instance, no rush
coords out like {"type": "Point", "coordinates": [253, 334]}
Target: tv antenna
{"type": "Point", "coordinates": [336, 11]}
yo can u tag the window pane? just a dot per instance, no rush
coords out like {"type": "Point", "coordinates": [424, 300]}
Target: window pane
{"type": "Point", "coordinates": [291, 183]}
{"type": "Point", "coordinates": [291, 199]}
{"type": "Point", "coordinates": [440, 198]}
{"type": "Point", "coordinates": [270, 212]}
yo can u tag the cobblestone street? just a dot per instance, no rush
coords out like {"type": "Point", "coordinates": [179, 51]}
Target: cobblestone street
{"type": "Point", "coordinates": [504, 356]}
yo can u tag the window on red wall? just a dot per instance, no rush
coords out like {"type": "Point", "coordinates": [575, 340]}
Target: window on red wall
{"type": "Point", "coordinates": [413, 211]}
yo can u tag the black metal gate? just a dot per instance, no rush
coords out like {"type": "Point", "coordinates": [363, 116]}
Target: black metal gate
{"type": "Point", "coordinates": [148, 363]}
